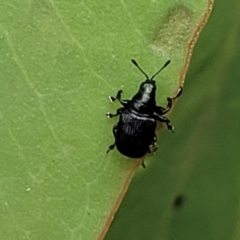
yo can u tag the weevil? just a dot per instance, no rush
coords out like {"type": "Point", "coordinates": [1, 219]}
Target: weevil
{"type": "Point", "coordinates": [135, 131]}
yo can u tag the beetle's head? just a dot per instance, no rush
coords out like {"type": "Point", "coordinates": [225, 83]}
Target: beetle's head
{"type": "Point", "coordinates": [149, 83]}
{"type": "Point", "coordinates": [147, 90]}
{"type": "Point", "coordinates": [148, 86]}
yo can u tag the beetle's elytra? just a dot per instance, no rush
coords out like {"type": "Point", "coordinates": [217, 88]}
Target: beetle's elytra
{"type": "Point", "coordinates": [135, 131]}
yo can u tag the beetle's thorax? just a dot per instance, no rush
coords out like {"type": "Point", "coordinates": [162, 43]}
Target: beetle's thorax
{"type": "Point", "coordinates": [144, 100]}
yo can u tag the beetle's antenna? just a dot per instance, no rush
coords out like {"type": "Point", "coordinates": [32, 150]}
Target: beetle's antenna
{"type": "Point", "coordinates": [160, 70]}
{"type": "Point", "coordinates": [135, 63]}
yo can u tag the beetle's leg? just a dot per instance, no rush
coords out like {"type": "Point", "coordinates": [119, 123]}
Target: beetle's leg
{"type": "Point", "coordinates": [160, 110]}
{"type": "Point", "coordinates": [153, 143]}
{"type": "Point", "coordinates": [125, 103]}
{"type": "Point", "coordinates": [153, 146]}
{"type": "Point", "coordinates": [118, 96]}
{"type": "Point", "coordinates": [151, 149]}
{"type": "Point", "coordinates": [110, 115]}
{"type": "Point", "coordinates": [111, 147]}
{"type": "Point", "coordinates": [165, 120]}
{"type": "Point", "coordinates": [115, 130]}
{"type": "Point", "coordinates": [143, 164]}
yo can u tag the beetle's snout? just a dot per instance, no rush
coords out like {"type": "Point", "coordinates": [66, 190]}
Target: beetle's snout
{"type": "Point", "coordinates": [148, 86]}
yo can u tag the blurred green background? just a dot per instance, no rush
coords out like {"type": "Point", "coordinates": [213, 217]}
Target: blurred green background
{"type": "Point", "coordinates": [201, 161]}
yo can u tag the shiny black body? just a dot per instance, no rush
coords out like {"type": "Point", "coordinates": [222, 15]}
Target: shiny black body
{"type": "Point", "coordinates": [134, 134]}
{"type": "Point", "coordinates": [135, 131]}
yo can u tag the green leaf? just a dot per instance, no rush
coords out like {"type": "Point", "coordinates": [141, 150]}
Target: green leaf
{"type": "Point", "coordinates": [59, 60]}
{"type": "Point", "coordinates": [201, 161]}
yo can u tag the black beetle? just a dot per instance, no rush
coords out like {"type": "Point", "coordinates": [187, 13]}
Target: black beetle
{"type": "Point", "coordinates": [135, 132]}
